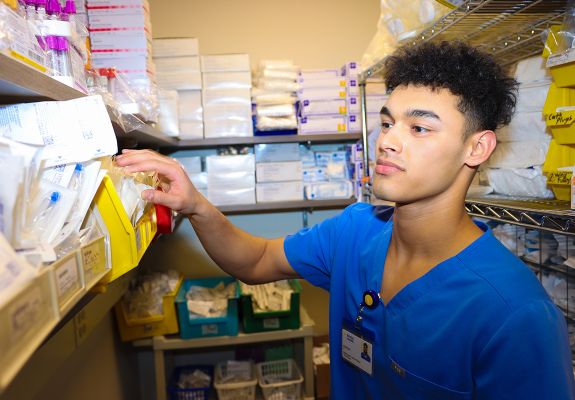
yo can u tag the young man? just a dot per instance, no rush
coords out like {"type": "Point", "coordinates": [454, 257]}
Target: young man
{"type": "Point", "coordinates": [446, 311]}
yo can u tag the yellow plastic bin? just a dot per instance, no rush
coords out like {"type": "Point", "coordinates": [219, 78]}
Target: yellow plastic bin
{"type": "Point", "coordinates": [553, 41]}
{"type": "Point", "coordinates": [167, 323]}
{"type": "Point", "coordinates": [557, 98]}
{"type": "Point", "coordinates": [562, 126]}
{"type": "Point", "coordinates": [558, 156]}
{"type": "Point", "coordinates": [562, 68]}
{"type": "Point", "coordinates": [560, 183]}
{"type": "Point", "coordinates": [122, 233]}
{"type": "Point", "coordinates": [146, 231]}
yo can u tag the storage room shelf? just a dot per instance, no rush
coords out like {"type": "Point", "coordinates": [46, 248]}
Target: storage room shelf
{"type": "Point", "coordinates": [287, 206]}
{"type": "Point", "coordinates": [175, 343]}
{"type": "Point", "coordinates": [251, 140]}
{"type": "Point", "coordinates": [510, 30]}
{"type": "Point", "coordinates": [22, 83]}
{"type": "Point", "coordinates": [550, 215]}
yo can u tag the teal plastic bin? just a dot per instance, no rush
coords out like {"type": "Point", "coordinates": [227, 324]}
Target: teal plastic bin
{"type": "Point", "coordinates": [191, 328]}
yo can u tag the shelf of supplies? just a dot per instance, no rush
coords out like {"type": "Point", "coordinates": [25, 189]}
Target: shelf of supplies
{"type": "Point", "coordinates": [21, 83]}
{"type": "Point", "coordinates": [510, 30]}
{"type": "Point", "coordinates": [549, 215]}
{"type": "Point", "coordinates": [287, 206]}
{"type": "Point", "coordinates": [251, 140]}
{"type": "Point", "coordinates": [562, 269]}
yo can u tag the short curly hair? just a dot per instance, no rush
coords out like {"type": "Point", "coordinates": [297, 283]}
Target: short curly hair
{"type": "Point", "coordinates": [487, 95]}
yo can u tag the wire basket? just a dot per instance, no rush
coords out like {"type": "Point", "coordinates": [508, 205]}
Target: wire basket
{"type": "Point", "coordinates": [280, 380]}
{"type": "Point", "coordinates": [200, 393]}
{"type": "Point", "coordinates": [236, 390]}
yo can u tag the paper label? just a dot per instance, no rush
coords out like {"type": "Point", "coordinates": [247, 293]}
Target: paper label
{"type": "Point", "coordinates": [67, 277]}
{"type": "Point", "coordinates": [271, 323]}
{"type": "Point", "coordinates": [357, 351]}
{"type": "Point", "coordinates": [25, 313]}
{"type": "Point", "coordinates": [562, 58]}
{"type": "Point", "coordinates": [209, 329]}
{"type": "Point", "coordinates": [94, 259]}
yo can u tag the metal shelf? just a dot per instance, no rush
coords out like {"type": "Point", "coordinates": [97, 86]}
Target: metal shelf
{"type": "Point", "coordinates": [510, 30]}
{"type": "Point", "coordinates": [251, 140]}
{"type": "Point", "coordinates": [287, 206]}
{"type": "Point", "coordinates": [549, 215]}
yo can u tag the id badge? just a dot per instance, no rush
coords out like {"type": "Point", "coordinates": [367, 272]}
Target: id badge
{"type": "Point", "coordinates": [357, 347]}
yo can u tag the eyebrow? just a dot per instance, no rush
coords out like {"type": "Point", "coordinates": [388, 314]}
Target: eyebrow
{"type": "Point", "coordinates": [412, 113]}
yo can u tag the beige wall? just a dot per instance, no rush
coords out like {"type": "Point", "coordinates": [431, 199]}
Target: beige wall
{"type": "Point", "coordinates": [313, 33]}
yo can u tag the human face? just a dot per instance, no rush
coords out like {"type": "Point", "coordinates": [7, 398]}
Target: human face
{"type": "Point", "coordinates": [420, 148]}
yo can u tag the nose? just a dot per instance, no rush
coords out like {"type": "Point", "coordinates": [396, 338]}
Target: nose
{"type": "Point", "coordinates": [390, 140]}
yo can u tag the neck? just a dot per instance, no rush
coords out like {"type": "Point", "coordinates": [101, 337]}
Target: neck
{"type": "Point", "coordinates": [432, 229]}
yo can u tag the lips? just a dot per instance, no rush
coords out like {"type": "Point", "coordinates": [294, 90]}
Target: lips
{"type": "Point", "coordinates": [385, 167]}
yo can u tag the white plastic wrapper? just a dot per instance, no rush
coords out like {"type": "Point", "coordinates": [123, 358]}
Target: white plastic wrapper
{"type": "Point", "coordinates": [532, 70]}
{"type": "Point", "coordinates": [528, 182]}
{"type": "Point", "coordinates": [268, 297]}
{"type": "Point", "coordinates": [273, 124]}
{"type": "Point", "coordinates": [531, 96]}
{"type": "Point", "coordinates": [194, 379]}
{"type": "Point", "coordinates": [525, 126]}
{"type": "Point", "coordinates": [286, 74]}
{"type": "Point", "coordinates": [283, 65]}
{"type": "Point", "coordinates": [279, 110]}
{"type": "Point", "coordinates": [227, 80]}
{"type": "Point", "coordinates": [206, 302]}
{"type": "Point", "coordinates": [223, 164]}
{"type": "Point", "coordinates": [278, 85]}
{"type": "Point", "coordinates": [14, 271]}
{"type": "Point", "coordinates": [168, 121]}
{"type": "Point", "coordinates": [519, 154]}
{"type": "Point", "coordinates": [329, 190]}
{"type": "Point", "coordinates": [321, 354]}
{"type": "Point", "coordinates": [224, 197]}
{"type": "Point", "coordinates": [144, 299]}
{"type": "Point", "coordinates": [264, 97]}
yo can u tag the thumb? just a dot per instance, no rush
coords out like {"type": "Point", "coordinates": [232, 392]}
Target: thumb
{"type": "Point", "coordinates": [162, 198]}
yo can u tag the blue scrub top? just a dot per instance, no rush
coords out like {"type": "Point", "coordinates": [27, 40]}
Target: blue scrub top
{"type": "Point", "coordinates": [477, 326]}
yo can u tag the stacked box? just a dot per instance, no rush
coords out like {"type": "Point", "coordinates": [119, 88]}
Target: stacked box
{"type": "Point", "coordinates": [322, 98]}
{"type": "Point", "coordinates": [279, 172]}
{"type": "Point", "coordinates": [231, 179]}
{"type": "Point", "coordinates": [226, 95]}
{"type": "Point", "coordinates": [178, 69]}
{"type": "Point", "coordinates": [120, 36]}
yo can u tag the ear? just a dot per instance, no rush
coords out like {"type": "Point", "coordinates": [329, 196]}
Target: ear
{"type": "Point", "coordinates": [480, 145]}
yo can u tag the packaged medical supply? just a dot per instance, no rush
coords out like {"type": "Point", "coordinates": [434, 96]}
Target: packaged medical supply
{"type": "Point", "coordinates": [276, 123]}
{"type": "Point", "coordinates": [168, 122]}
{"type": "Point", "coordinates": [145, 296]}
{"type": "Point", "coordinates": [314, 174]}
{"type": "Point", "coordinates": [279, 171]}
{"type": "Point", "coordinates": [228, 125]}
{"type": "Point", "coordinates": [225, 62]}
{"type": "Point", "coordinates": [226, 196]}
{"type": "Point", "coordinates": [175, 47]}
{"type": "Point", "coordinates": [227, 80]}
{"type": "Point", "coordinates": [14, 271]}
{"type": "Point", "coordinates": [322, 93]}
{"type": "Point", "coordinates": [322, 107]}
{"type": "Point", "coordinates": [531, 96]}
{"type": "Point", "coordinates": [190, 105]}
{"type": "Point", "coordinates": [276, 110]}
{"type": "Point", "coordinates": [528, 182]}
{"type": "Point", "coordinates": [277, 85]}
{"type": "Point", "coordinates": [323, 158]}
{"type": "Point", "coordinates": [350, 69]}
{"type": "Point", "coordinates": [276, 152]}
{"type": "Point", "coordinates": [519, 154]}
{"type": "Point", "coordinates": [231, 180]}
{"type": "Point", "coordinates": [262, 97]}
{"type": "Point", "coordinates": [222, 164]}
{"type": "Point", "coordinates": [273, 296]}
{"type": "Point", "coordinates": [525, 126]}
{"type": "Point", "coordinates": [329, 190]}
{"type": "Point", "coordinates": [180, 80]}
{"type": "Point", "coordinates": [532, 70]}
{"type": "Point", "coordinates": [279, 191]}
{"type": "Point", "coordinates": [210, 302]}
{"type": "Point", "coordinates": [323, 124]}
{"type": "Point", "coordinates": [316, 74]}
{"type": "Point", "coordinates": [177, 64]}
{"type": "Point", "coordinates": [324, 82]}
{"type": "Point", "coordinates": [191, 130]}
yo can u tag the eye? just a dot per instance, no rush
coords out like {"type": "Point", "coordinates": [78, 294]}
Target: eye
{"type": "Point", "coordinates": [385, 126]}
{"type": "Point", "coordinates": [420, 129]}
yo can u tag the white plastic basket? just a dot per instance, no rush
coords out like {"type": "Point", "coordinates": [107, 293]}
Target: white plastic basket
{"type": "Point", "coordinates": [288, 376]}
{"type": "Point", "coordinates": [245, 390]}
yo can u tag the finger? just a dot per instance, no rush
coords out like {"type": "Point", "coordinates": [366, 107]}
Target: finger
{"type": "Point", "coordinates": [169, 170]}
{"type": "Point", "coordinates": [162, 198]}
{"type": "Point", "coordinates": [129, 157]}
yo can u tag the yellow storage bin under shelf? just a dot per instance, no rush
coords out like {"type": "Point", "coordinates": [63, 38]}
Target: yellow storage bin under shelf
{"type": "Point", "coordinates": [558, 156]}
{"type": "Point", "coordinates": [167, 323]}
{"type": "Point", "coordinates": [562, 68]}
{"type": "Point", "coordinates": [562, 126]}
{"type": "Point", "coordinates": [558, 97]}
{"type": "Point", "coordinates": [560, 183]}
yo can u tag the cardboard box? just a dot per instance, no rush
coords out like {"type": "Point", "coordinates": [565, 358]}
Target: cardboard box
{"type": "Point", "coordinates": [322, 93]}
{"type": "Point", "coordinates": [279, 191]}
{"type": "Point", "coordinates": [333, 82]}
{"type": "Point", "coordinates": [224, 164]}
{"type": "Point", "coordinates": [184, 80]}
{"type": "Point", "coordinates": [175, 47]}
{"type": "Point", "coordinates": [227, 80]}
{"type": "Point", "coordinates": [322, 372]}
{"type": "Point", "coordinates": [277, 152]}
{"type": "Point", "coordinates": [225, 62]}
{"type": "Point", "coordinates": [325, 124]}
{"type": "Point", "coordinates": [322, 107]}
{"type": "Point", "coordinates": [177, 64]}
{"type": "Point", "coordinates": [279, 171]}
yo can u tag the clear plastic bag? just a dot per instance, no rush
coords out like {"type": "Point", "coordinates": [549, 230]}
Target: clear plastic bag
{"type": "Point", "coordinates": [400, 20]}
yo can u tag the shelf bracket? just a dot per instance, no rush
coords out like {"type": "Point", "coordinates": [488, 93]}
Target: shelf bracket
{"type": "Point", "coordinates": [305, 221]}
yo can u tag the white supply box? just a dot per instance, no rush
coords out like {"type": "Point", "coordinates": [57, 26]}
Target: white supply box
{"type": "Point", "coordinates": [231, 180]}
{"type": "Point", "coordinates": [350, 70]}
{"type": "Point", "coordinates": [223, 164]}
{"type": "Point", "coordinates": [226, 197]}
{"type": "Point", "coordinates": [120, 41]}
{"type": "Point", "coordinates": [190, 105]}
{"type": "Point", "coordinates": [314, 174]}
{"type": "Point", "coordinates": [279, 191]}
{"type": "Point", "coordinates": [373, 103]}
{"type": "Point", "coordinates": [199, 180]}
{"type": "Point", "coordinates": [279, 171]}
{"type": "Point", "coordinates": [314, 74]}
{"type": "Point", "coordinates": [115, 3]}
{"type": "Point", "coordinates": [168, 122]}
{"type": "Point", "coordinates": [111, 19]}
{"type": "Point", "coordinates": [192, 165]}
{"type": "Point", "coordinates": [227, 80]}
{"type": "Point", "coordinates": [329, 190]}
{"type": "Point", "coordinates": [322, 107]}
{"type": "Point", "coordinates": [226, 96]}
{"type": "Point", "coordinates": [228, 126]}
{"type": "Point", "coordinates": [139, 62]}
{"type": "Point", "coordinates": [354, 122]}
{"type": "Point", "coordinates": [183, 80]}
{"type": "Point", "coordinates": [322, 94]}
{"type": "Point", "coordinates": [177, 64]}
{"type": "Point", "coordinates": [323, 158]}
{"type": "Point", "coordinates": [191, 130]}
{"type": "Point", "coordinates": [112, 54]}
{"type": "Point", "coordinates": [327, 124]}
{"type": "Point", "coordinates": [336, 81]}
{"type": "Point", "coordinates": [175, 47]}
{"type": "Point", "coordinates": [225, 62]}
{"type": "Point", "coordinates": [277, 152]}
